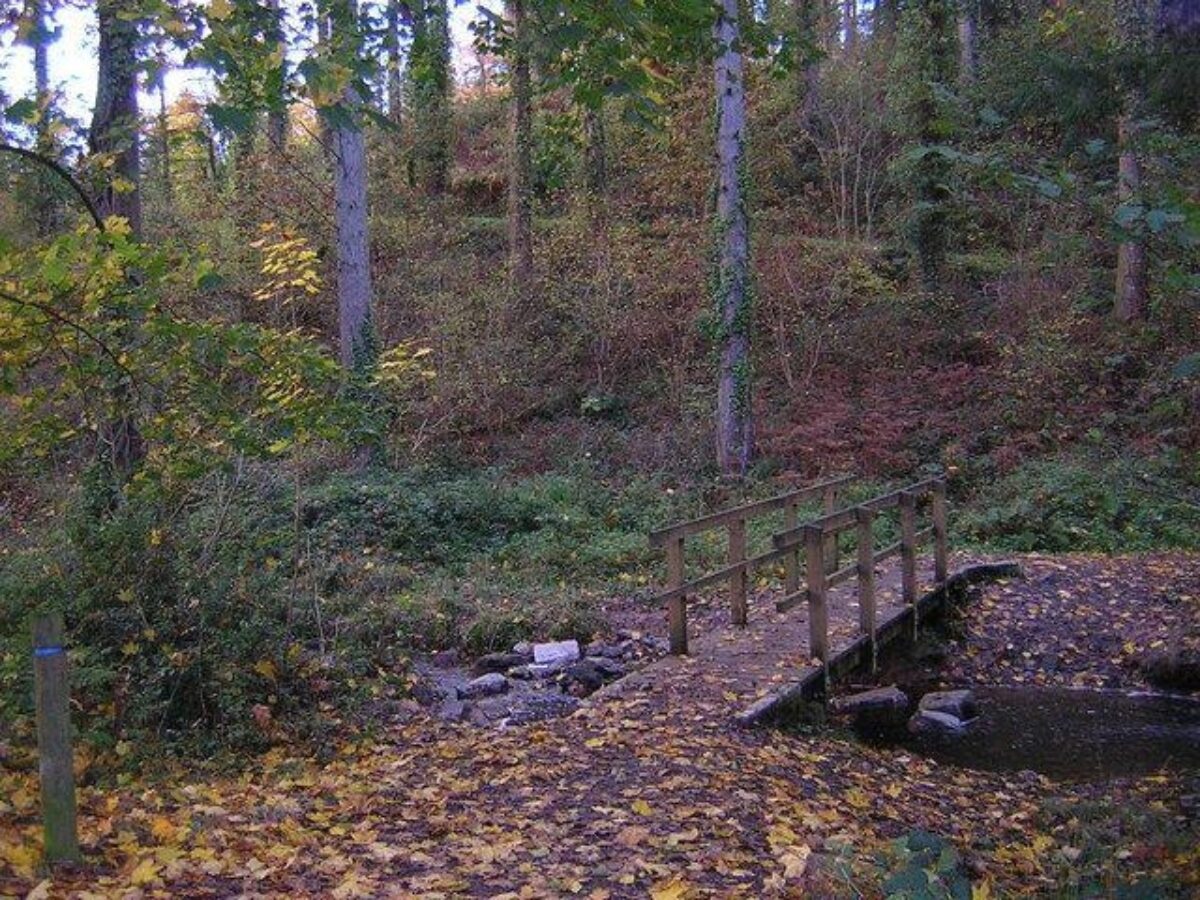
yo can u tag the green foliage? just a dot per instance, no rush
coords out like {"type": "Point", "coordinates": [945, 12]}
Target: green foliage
{"type": "Point", "coordinates": [1079, 504]}
{"type": "Point", "coordinates": [189, 618]}
{"type": "Point", "coordinates": [923, 866]}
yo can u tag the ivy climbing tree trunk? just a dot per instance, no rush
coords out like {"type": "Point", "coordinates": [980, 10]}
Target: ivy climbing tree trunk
{"type": "Point", "coordinates": [732, 277]}
{"type": "Point", "coordinates": [429, 75]}
{"type": "Point", "coordinates": [921, 82]}
{"type": "Point", "coordinates": [520, 185]}
{"type": "Point", "coordinates": [1132, 302]}
{"type": "Point", "coordinates": [114, 129]}
{"type": "Point", "coordinates": [114, 134]}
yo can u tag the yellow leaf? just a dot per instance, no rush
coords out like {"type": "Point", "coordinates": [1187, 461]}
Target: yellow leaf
{"type": "Point", "coordinates": [22, 858]}
{"type": "Point", "coordinates": [671, 890]}
{"type": "Point", "coordinates": [220, 9]}
{"type": "Point", "coordinates": [981, 891]}
{"type": "Point", "coordinates": [266, 669]}
{"type": "Point", "coordinates": [145, 872]}
{"type": "Point", "coordinates": [641, 807]}
{"type": "Point", "coordinates": [163, 829]}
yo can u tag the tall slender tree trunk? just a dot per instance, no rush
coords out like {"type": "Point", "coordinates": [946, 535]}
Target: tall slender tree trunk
{"type": "Point", "coordinates": [1132, 301]}
{"type": "Point", "coordinates": [968, 40]}
{"type": "Point", "coordinates": [356, 338]}
{"type": "Point", "coordinates": [114, 128]}
{"type": "Point", "coordinates": [520, 188]}
{"type": "Point", "coordinates": [164, 145]}
{"type": "Point", "coordinates": [732, 282]}
{"type": "Point", "coordinates": [38, 39]}
{"type": "Point", "coordinates": [277, 117]}
{"type": "Point", "coordinates": [850, 24]}
{"type": "Point", "coordinates": [429, 72]}
{"type": "Point", "coordinates": [395, 84]}
{"type": "Point", "coordinates": [808, 71]}
{"type": "Point", "coordinates": [1132, 297]}
{"type": "Point", "coordinates": [595, 163]}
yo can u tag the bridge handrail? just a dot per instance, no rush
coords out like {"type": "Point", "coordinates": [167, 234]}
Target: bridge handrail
{"type": "Point", "coordinates": [708, 522]}
{"type": "Point", "coordinates": [739, 565]}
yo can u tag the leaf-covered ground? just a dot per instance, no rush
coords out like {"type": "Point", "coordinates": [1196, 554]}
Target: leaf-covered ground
{"type": "Point", "coordinates": [1083, 620]}
{"type": "Point", "coordinates": [649, 794]}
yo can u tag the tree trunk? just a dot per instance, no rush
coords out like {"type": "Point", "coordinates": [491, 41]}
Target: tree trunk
{"type": "Point", "coordinates": [1132, 300]}
{"type": "Point", "coordinates": [595, 163]}
{"type": "Point", "coordinates": [520, 189]}
{"type": "Point", "coordinates": [431, 82]}
{"type": "Point", "coordinates": [808, 68]}
{"type": "Point", "coordinates": [114, 128]}
{"type": "Point", "coordinates": [164, 145]}
{"type": "Point", "coordinates": [850, 24]}
{"type": "Point", "coordinates": [38, 39]}
{"type": "Point", "coordinates": [1133, 19]}
{"type": "Point", "coordinates": [395, 91]}
{"type": "Point", "coordinates": [356, 339]}
{"type": "Point", "coordinates": [732, 283]}
{"type": "Point", "coordinates": [277, 117]}
{"type": "Point", "coordinates": [968, 47]}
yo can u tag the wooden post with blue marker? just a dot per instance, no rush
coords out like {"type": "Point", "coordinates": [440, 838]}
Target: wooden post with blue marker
{"type": "Point", "coordinates": [56, 763]}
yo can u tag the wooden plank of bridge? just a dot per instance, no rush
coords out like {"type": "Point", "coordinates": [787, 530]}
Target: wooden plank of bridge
{"type": "Point", "coordinates": [677, 606]}
{"type": "Point", "coordinates": [866, 577]}
{"type": "Point", "coordinates": [818, 614]}
{"type": "Point", "coordinates": [908, 552]}
{"type": "Point", "coordinates": [739, 581]}
{"type": "Point", "coordinates": [829, 505]}
{"type": "Point", "coordinates": [791, 562]}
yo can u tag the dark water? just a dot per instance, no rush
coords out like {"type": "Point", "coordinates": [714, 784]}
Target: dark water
{"type": "Point", "coordinates": [1066, 734]}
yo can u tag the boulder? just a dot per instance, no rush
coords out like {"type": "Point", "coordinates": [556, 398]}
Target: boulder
{"type": "Point", "coordinates": [591, 674]}
{"type": "Point", "coordinates": [523, 648]}
{"type": "Point", "coordinates": [878, 700]}
{"type": "Point", "coordinates": [1172, 669]}
{"type": "Point", "coordinates": [484, 686]}
{"type": "Point", "coordinates": [556, 652]}
{"type": "Point", "coordinates": [959, 704]}
{"type": "Point", "coordinates": [927, 721]}
{"type": "Point", "coordinates": [538, 707]}
{"type": "Point", "coordinates": [452, 710]}
{"type": "Point", "coordinates": [498, 662]}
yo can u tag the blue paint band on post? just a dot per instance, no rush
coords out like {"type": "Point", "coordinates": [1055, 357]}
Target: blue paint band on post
{"type": "Point", "coordinates": [47, 651]}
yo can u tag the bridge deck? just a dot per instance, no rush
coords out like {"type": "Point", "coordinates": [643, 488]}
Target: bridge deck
{"type": "Point", "coordinates": [738, 672]}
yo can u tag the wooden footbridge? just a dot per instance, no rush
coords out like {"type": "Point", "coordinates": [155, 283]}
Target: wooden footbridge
{"type": "Point", "coordinates": [797, 617]}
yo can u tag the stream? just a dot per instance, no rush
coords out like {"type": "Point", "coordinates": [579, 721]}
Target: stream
{"type": "Point", "coordinates": [1063, 733]}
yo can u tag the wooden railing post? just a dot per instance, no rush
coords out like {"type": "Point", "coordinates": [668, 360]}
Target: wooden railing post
{"type": "Point", "coordinates": [829, 503]}
{"type": "Point", "coordinates": [791, 562]}
{"type": "Point", "coordinates": [55, 761]}
{"type": "Point", "coordinates": [941, 546]}
{"type": "Point", "coordinates": [677, 610]}
{"type": "Point", "coordinates": [739, 581]}
{"type": "Point", "coordinates": [818, 615]}
{"type": "Point", "coordinates": [908, 552]}
{"type": "Point", "coordinates": [866, 576]}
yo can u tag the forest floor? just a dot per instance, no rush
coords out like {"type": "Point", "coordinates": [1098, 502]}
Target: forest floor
{"type": "Point", "coordinates": [641, 794]}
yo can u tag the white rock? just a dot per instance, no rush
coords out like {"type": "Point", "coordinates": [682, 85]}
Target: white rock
{"type": "Point", "coordinates": [556, 652]}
